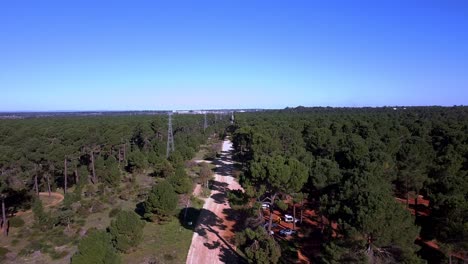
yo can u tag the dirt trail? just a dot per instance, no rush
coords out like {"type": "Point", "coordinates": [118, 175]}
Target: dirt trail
{"type": "Point", "coordinates": [58, 198]}
{"type": "Point", "coordinates": [211, 241]}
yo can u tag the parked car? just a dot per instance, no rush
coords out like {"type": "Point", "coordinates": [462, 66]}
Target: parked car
{"type": "Point", "coordinates": [265, 205]}
{"type": "Point", "coordinates": [290, 219]}
{"type": "Point", "coordinates": [287, 232]}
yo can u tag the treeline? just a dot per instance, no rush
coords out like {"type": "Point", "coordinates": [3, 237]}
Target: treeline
{"type": "Point", "coordinates": [352, 163]}
{"type": "Point", "coordinates": [44, 154]}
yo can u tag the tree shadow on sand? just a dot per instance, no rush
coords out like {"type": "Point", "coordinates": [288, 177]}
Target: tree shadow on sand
{"type": "Point", "coordinates": [219, 198]}
{"type": "Point", "coordinates": [218, 186]}
{"type": "Point", "coordinates": [228, 253]}
{"type": "Point", "coordinates": [198, 220]}
{"type": "Point", "coordinates": [229, 256]}
{"type": "Point", "coordinates": [206, 221]}
{"type": "Point", "coordinates": [236, 216]}
{"type": "Point", "coordinates": [214, 245]}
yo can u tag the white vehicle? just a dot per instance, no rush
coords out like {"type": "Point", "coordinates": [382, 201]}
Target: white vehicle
{"type": "Point", "coordinates": [265, 205]}
{"type": "Point", "coordinates": [287, 232]}
{"type": "Point", "coordinates": [290, 219]}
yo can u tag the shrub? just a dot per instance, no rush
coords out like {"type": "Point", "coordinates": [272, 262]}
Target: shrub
{"type": "Point", "coordinates": [164, 169]}
{"type": "Point", "coordinates": [41, 219]}
{"type": "Point", "coordinates": [180, 181]}
{"type": "Point", "coordinates": [124, 196]}
{"type": "Point", "coordinates": [3, 252]}
{"type": "Point", "coordinates": [137, 161]}
{"type": "Point", "coordinates": [56, 255]}
{"type": "Point", "coordinates": [16, 222]}
{"type": "Point", "coordinates": [60, 239]}
{"type": "Point", "coordinates": [196, 202]}
{"type": "Point", "coordinates": [71, 198]}
{"type": "Point", "coordinates": [114, 212]}
{"type": "Point", "coordinates": [81, 222]}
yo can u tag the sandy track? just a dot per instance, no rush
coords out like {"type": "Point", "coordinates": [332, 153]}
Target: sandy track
{"type": "Point", "coordinates": [58, 198]}
{"type": "Point", "coordinates": [212, 239]}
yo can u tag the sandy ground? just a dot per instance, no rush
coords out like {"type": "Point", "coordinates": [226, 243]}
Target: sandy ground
{"type": "Point", "coordinates": [54, 199]}
{"type": "Point", "coordinates": [212, 239]}
{"type": "Point", "coordinates": [197, 190]}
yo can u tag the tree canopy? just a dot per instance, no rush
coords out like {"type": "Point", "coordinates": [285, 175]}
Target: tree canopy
{"type": "Point", "coordinates": [355, 162]}
{"type": "Point", "coordinates": [126, 230]}
{"type": "Point", "coordinates": [161, 201]}
{"type": "Point", "coordinates": [96, 248]}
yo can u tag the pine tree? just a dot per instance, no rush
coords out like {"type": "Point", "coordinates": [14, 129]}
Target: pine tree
{"type": "Point", "coordinates": [162, 201]}
{"type": "Point", "coordinates": [126, 230]}
{"type": "Point", "coordinates": [258, 246]}
{"type": "Point", "coordinates": [180, 181]}
{"type": "Point", "coordinates": [96, 247]}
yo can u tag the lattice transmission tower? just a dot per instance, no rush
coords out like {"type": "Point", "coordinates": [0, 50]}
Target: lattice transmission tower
{"type": "Point", "coordinates": [170, 138]}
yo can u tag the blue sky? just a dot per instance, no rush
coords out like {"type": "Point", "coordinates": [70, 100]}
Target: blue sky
{"type": "Point", "coordinates": [138, 55]}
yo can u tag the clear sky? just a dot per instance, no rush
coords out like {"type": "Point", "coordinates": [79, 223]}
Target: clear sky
{"type": "Point", "coordinates": [196, 54]}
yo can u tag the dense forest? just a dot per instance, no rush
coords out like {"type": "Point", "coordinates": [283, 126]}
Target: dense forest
{"type": "Point", "coordinates": [48, 153]}
{"type": "Point", "coordinates": [94, 162]}
{"type": "Point", "coordinates": [384, 184]}
{"type": "Point", "coordinates": [361, 170]}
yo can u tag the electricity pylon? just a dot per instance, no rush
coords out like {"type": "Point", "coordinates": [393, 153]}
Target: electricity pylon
{"type": "Point", "coordinates": [170, 138]}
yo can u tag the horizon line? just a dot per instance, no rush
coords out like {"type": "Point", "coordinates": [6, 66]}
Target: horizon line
{"type": "Point", "coordinates": [221, 109]}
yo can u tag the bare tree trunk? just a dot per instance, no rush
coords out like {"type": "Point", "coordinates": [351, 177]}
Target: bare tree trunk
{"type": "Point", "coordinates": [273, 197]}
{"type": "Point", "coordinates": [322, 223]}
{"type": "Point", "coordinates": [301, 215]}
{"type": "Point", "coordinates": [294, 216]}
{"type": "Point", "coordinates": [48, 185]}
{"type": "Point", "coordinates": [302, 209]}
{"type": "Point", "coordinates": [36, 184]}
{"type": "Point", "coordinates": [416, 204]}
{"type": "Point", "coordinates": [120, 157]}
{"type": "Point", "coordinates": [370, 253]}
{"type": "Point", "coordinates": [4, 220]}
{"type": "Point", "coordinates": [65, 175]}
{"type": "Point", "coordinates": [124, 153]}
{"type": "Point", "coordinates": [77, 176]}
{"type": "Point", "coordinates": [92, 167]}
{"type": "Point", "coordinates": [407, 193]}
